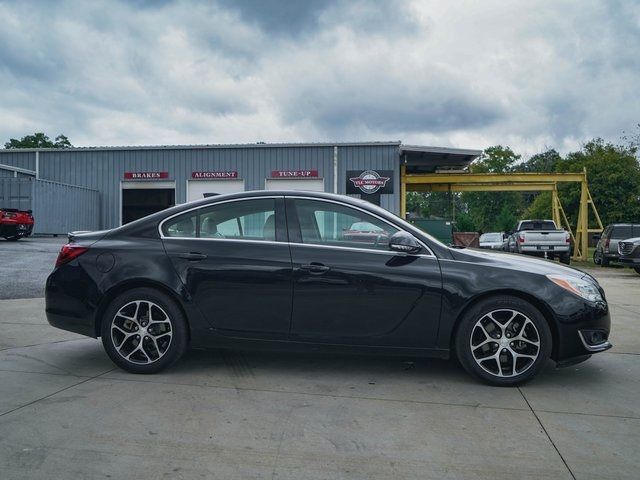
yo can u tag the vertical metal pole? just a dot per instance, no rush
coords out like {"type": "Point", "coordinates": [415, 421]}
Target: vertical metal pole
{"type": "Point", "coordinates": [403, 192]}
{"type": "Point", "coordinates": [37, 165]}
{"type": "Point", "coordinates": [335, 169]}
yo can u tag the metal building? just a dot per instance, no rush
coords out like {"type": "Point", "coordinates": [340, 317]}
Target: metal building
{"type": "Point", "coordinates": [104, 187]}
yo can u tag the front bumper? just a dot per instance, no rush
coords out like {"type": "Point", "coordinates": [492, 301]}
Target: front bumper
{"type": "Point", "coordinates": [582, 329]}
{"type": "Point", "coordinates": [629, 261]}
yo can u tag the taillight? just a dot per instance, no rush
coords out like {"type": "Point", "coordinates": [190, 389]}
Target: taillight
{"type": "Point", "coordinates": [521, 238]}
{"type": "Point", "coordinates": [568, 238]}
{"type": "Point", "coordinates": [606, 244]}
{"type": "Point", "coordinates": [68, 252]}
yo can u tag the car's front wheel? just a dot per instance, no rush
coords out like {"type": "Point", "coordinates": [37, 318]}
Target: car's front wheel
{"type": "Point", "coordinates": [144, 331]}
{"type": "Point", "coordinates": [596, 258]}
{"type": "Point", "coordinates": [503, 341]}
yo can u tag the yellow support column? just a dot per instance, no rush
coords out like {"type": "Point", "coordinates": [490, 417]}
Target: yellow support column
{"type": "Point", "coordinates": [583, 219]}
{"type": "Point", "coordinates": [403, 192]}
{"type": "Point", "coordinates": [555, 207]}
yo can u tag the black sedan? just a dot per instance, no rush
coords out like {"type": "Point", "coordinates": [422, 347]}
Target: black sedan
{"type": "Point", "coordinates": [279, 269]}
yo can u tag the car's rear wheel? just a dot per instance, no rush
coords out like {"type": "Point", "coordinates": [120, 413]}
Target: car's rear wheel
{"type": "Point", "coordinates": [637, 269]}
{"type": "Point", "coordinates": [144, 331]}
{"type": "Point", "coordinates": [13, 239]}
{"type": "Point", "coordinates": [565, 258]}
{"type": "Point", "coordinates": [503, 341]}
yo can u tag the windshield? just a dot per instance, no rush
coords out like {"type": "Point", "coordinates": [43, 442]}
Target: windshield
{"type": "Point", "coordinates": [491, 237]}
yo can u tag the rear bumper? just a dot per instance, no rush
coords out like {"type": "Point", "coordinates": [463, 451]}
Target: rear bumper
{"type": "Point", "coordinates": [71, 300]}
{"type": "Point", "coordinates": [15, 229]}
{"type": "Point", "coordinates": [552, 249]}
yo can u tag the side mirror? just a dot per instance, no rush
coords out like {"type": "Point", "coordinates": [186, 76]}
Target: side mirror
{"type": "Point", "coordinates": [404, 242]}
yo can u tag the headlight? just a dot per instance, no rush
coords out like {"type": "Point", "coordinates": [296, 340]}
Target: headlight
{"type": "Point", "coordinates": [578, 286]}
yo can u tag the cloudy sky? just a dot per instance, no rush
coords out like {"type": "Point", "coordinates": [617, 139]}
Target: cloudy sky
{"type": "Point", "coordinates": [449, 73]}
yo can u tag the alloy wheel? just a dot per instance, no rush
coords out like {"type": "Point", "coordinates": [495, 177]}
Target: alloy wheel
{"type": "Point", "coordinates": [141, 332]}
{"type": "Point", "coordinates": [505, 343]}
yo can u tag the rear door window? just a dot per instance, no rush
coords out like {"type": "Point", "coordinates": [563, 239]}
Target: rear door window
{"type": "Point", "coordinates": [240, 220]}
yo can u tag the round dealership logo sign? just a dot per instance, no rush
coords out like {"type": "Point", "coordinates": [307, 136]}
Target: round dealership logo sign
{"type": "Point", "coordinates": [369, 181]}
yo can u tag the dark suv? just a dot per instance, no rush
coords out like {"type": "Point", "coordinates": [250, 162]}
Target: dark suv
{"type": "Point", "coordinates": [607, 248]}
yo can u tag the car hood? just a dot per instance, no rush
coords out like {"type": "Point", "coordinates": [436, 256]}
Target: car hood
{"type": "Point", "coordinates": [632, 240]}
{"type": "Point", "coordinates": [516, 262]}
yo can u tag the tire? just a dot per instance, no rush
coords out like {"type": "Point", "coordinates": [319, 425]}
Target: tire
{"type": "Point", "coordinates": [566, 259]}
{"type": "Point", "coordinates": [511, 315]}
{"type": "Point", "coordinates": [596, 258]}
{"type": "Point", "coordinates": [604, 262]}
{"type": "Point", "coordinates": [637, 269]}
{"type": "Point", "coordinates": [12, 239]}
{"type": "Point", "coordinates": [165, 339]}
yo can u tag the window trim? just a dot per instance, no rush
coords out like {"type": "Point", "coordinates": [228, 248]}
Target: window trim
{"type": "Point", "coordinates": [294, 197]}
{"type": "Point", "coordinates": [212, 204]}
{"type": "Point", "coordinates": [429, 252]}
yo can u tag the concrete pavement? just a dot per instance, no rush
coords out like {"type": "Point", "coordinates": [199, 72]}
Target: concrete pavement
{"type": "Point", "coordinates": [66, 412]}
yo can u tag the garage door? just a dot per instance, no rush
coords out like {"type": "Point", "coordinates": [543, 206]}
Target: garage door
{"type": "Point", "coordinates": [139, 199]}
{"type": "Point", "coordinates": [199, 189]}
{"type": "Point", "coordinates": [309, 184]}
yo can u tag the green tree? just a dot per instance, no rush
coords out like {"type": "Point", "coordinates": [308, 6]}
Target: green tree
{"type": "Point", "coordinates": [418, 204]}
{"type": "Point", "coordinates": [544, 162]}
{"type": "Point", "coordinates": [614, 181]}
{"type": "Point", "coordinates": [486, 207]}
{"type": "Point", "coordinates": [38, 140]}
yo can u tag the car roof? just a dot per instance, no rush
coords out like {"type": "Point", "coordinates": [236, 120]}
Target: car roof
{"type": "Point", "coordinates": [280, 193]}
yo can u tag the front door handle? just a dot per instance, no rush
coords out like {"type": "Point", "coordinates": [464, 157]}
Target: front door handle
{"type": "Point", "coordinates": [192, 256]}
{"type": "Point", "coordinates": [315, 268]}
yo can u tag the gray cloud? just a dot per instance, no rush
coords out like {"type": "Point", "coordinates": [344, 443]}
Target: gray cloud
{"type": "Point", "coordinates": [468, 74]}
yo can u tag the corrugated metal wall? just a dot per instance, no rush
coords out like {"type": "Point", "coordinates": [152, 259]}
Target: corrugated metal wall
{"type": "Point", "coordinates": [61, 208]}
{"type": "Point", "coordinates": [103, 170]}
{"type": "Point", "coordinates": [15, 193]}
{"type": "Point", "coordinates": [16, 158]}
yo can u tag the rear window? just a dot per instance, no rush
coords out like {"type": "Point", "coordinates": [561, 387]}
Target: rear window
{"type": "Point", "coordinates": [542, 225]}
{"type": "Point", "coordinates": [491, 237]}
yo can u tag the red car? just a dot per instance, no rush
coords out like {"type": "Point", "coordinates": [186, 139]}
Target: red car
{"type": "Point", "coordinates": [15, 224]}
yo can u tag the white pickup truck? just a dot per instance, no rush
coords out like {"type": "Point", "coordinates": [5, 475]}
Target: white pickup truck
{"type": "Point", "coordinates": [541, 238]}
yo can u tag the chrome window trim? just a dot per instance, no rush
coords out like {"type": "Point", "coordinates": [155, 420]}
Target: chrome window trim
{"type": "Point", "coordinates": [430, 254]}
{"type": "Point", "coordinates": [366, 250]}
{"type": "Point", "coordinates": [370, 250]}
{"type": "Point", "coordinates": [206, 205]}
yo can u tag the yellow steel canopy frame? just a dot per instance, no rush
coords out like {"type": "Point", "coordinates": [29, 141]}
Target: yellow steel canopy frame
{"type": "Point", "coordinates": [511, 182]}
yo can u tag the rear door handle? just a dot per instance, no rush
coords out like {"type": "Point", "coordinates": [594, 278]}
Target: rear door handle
{"type": "Point", "coordinates": [192, 256]}
{"type": "Point", "coordinates": [315, 268]}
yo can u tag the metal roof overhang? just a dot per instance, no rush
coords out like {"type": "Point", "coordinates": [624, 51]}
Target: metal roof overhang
{"type": "Point", "coordinates": [430, 159]}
